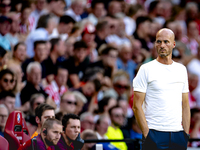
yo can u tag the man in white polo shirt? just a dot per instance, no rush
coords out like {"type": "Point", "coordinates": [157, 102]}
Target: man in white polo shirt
{"type": "Point", "coordinates": [161, 86]}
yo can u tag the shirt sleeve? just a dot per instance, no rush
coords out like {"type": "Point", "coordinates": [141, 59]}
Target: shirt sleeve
{"type": "Point", "coordinates": [140, 81]}
{"type": "Point", "coordinates": [185, 87]}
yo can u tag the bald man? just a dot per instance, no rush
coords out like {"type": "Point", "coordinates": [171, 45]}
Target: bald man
{"type": "Point", "coordinates": [161, 86]}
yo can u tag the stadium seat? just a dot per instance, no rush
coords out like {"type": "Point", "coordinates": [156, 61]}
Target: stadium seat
{"type": "Point", "coordinates": [24, 127]}
{"type": "Point", "coordinates": [4, 145]}
{"type": "Point", "coordinates": [14, 130]}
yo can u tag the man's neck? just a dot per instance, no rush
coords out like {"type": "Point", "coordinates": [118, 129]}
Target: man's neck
{"type": "Point", "coordinates": [36, 59]}
{"type": "Point", "coordinates": [112, 125]}
{"type": "Point", "coordinates": [165, 60]}
{"type": "Point", "coordinates": [67, 141]}
{"type": "Point", "coordinates": [38, 130]}
{"type": "Point", "coordinates": [53, 57]}
{"type": "Point", "coordinates": [101, 35]}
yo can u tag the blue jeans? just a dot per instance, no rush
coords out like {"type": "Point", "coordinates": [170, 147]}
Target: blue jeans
{"type": "Point", "coordinates": [158, 140]}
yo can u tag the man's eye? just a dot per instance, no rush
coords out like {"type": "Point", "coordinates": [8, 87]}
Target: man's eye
{"type": "Point", "coordinates": [158, 42]}
{"type": "Point", "coordinates": [166, 41]}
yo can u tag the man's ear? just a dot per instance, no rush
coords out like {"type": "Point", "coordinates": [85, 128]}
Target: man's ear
{"type": "Point", "coordinates": [37, 119]}
{"type": "Point", "coordinates": [44, 131]}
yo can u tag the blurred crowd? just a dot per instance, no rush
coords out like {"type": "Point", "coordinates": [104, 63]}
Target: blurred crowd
{"type": "Point", "coordinates": [80, 57]}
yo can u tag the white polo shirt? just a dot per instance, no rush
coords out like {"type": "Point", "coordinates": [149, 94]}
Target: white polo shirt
{"type": "Point", "coordinates": [163, 85]}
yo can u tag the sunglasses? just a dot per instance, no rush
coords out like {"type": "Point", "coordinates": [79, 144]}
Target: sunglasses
{"type": "Point", "coordinates": [69, 102]}
{"type": "Point", "coordinates": [122, 86]}
{"type": "Point", "coordinates": [7, 80]}
{"type": "Point", "coordinates": [119, 116]}
{"type": "Point", "coordinates": [5, 5]}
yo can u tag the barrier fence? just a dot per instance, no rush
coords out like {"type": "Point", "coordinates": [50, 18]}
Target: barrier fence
{"type": "Point", "coordinates": [137, 143]}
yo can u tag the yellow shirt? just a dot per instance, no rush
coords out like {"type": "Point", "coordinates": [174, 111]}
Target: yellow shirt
{"type": "Point", "coordinates": [34, 134]}
{"type": "Point", "coordinates": [116, 134]}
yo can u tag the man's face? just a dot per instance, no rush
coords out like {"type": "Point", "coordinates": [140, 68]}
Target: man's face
{"type": "Point", "coordinates": [61, 48]}
{"type": "Point", "coordinates": [80, 54]}
{"type": "Point", "coordinates": [88, 123]}
{"type": "Point", "coordinates": [15, 26]}
{"type": "Point", "coordinates": [51, 25]}
{"type": "Point", "coordinates": [103, 125]}
{"type": "Point", "coordinates": [117, 117]}
{"type": "Point", "coordinates": [73, 129]}
{"type": "Point", "coordinates": [40, 4]}
{"type": "Point", "coordinates": [88, 38]}
{"type": "Point", "coordinates": [126, 53]}
{"type": "Point", "coordinates": [3, 117]}
{"type": "Point", "coordinates": [40, 52]}
{"type": "Point", "coordinates": [89, 89]}
{"type": "Point", "coordinates": [121, 86]}
{"type": "Point", "coordinates": [35, 76]}
{"type": "Point", "coordinates": [61, 78]}
{"type": "Point", "coordinates": [7, 82]}
{"type": "Point", "coordinates": [99, 10]}
{"type": "Point", "coordinates": [78, 7]}
{"type": "Point", "coordinates": [164, 43]}
{"type": "Point", "coordinates": [10, 103]}
{"type": "Point", "coordinates": [54, 134]}
{"type": "Point", "coordinates": [68, 103]}
{"type": "Point", "coordinates": [47, 114]}
{"type": "Point", "coordinates": [38, 101]}
{"type": "Point", "coordinates": [5, 6]}
{"type": "Point", "coordinates": [4, 27]}
{"type": "Point", "coordinates": [20, 52]}
{"type": "Point", "coordinates": [67, 28]}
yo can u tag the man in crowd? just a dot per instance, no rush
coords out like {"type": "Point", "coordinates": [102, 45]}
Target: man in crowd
{"type": "Point", "coordinates": [87, 121]}
{"type": "Point", "coordinates": [34, 75]}
{"type": "Point", "coordinates": [3, 118]}
{"type": "Point", "coordinates": [114, 132]}
{"type": "Point", "coordinates": [8, 99]}
{"type": "Point", "coordinates": [50, 64]}
{"type": "Point", "coordinates": [50, 135]}
{"type": "Point", "coordinates": [42, 113]}
{"type": "Point", "coordinates": [40, 51]}
{"type": "Point", "coordinates": [70, 138]}
{"type": "Point", "coordinates": [68, 103]}
{"type": "Point", "coordinates": [58, 87]}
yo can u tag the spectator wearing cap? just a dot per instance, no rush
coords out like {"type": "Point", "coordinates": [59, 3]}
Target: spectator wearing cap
{"type": "Point", "coordinates": [5, 24]}
{"type": "Point", "coordinates": [102, 31]}
{"type": "Point", "coordinates": [77, 64]}
{"type": "Point", "coordinates": [143, 31]}
{"type": "Point", "coordinates": [77, 8]}
{"type": "Point", "coordinates": [64, 28]}
{"type": "Point", "coordinates": [88, 37]}
{"type": "Point", "coordinates": [45, 26]}
{"type": "Point", "coordinates": [5, 7]}
{"type": "Point", "coordinates": [58, 86]}
{"type": "Point", "coordinates": [98, 11]}
{"type": "Point", "coordinates": [50, 65]}
{"type": "Point", "coordinates": [108, 58]}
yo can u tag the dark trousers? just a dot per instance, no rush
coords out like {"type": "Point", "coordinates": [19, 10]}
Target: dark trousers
{"type": "Point", "coordinates": [158, 140]}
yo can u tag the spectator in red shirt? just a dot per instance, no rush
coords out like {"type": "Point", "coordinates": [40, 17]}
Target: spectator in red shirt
{"type": "Point", "coordinates": [49, 137]}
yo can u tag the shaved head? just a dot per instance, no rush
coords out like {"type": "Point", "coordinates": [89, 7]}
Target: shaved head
{"type": "Point", "coordinates": [166, 31]}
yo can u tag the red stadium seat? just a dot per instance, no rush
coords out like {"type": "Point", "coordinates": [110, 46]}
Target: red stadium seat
{"type": "Point", "coordinates": [4, 145]}
{"type": "Point", "coordinates": [14, 130]}
{"type": "Point", "coordinates": [24, 127]}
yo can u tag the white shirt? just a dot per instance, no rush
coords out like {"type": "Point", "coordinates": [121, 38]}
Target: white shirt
{"type": "Point", "coordinates": [55, 34]}
{"type": "Point", "coordinates": [38, 34]}
{"type": "Point", "coordinates": [163, 85]}
{"type": "Point", "coordinates": [71, 13]}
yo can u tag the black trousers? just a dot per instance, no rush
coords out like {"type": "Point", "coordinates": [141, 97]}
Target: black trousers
{"type": "Point", "coordinates": [158, 140]}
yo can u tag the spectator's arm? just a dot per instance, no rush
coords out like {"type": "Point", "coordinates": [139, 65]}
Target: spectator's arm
{"type": "Point", "coordinates": [74, 80]}
{"type": "Point", "coordinates": [139, 113]}
{"type": "Point", "coordinates": [185, 112]}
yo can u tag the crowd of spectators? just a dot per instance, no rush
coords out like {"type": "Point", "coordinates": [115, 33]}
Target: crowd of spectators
{"type": "Point", "coordinates": [80, 57]}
